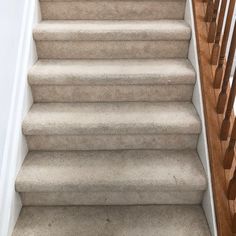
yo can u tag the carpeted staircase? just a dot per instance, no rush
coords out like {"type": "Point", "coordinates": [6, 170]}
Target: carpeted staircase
{"type": "Point", "coordinates": [112, 132]}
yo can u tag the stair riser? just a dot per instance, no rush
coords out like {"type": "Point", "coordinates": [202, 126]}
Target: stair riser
{"type": "Point", "coordinates": [111, 49]}
{"type": "Point", "coordinates": [112, 142]}
{"type": "Point", "coordinates": [113, 198]}
{"type": "Point", "coordinates": [119, 10]}
{"type": "Point", "coordinates": [104, 93]}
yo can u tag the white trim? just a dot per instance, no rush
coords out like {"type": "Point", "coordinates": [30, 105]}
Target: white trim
{"type": "Point", "coordinates": [202, 147]}
{"type": "Point", "coordinates": [15, 147]}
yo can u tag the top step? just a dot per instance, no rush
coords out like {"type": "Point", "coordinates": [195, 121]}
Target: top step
{"type": "Point", "coordinates": [112, 9]}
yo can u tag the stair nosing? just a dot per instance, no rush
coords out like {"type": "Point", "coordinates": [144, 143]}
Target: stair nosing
{"type": "Point", "coordinates": [78, 72]}
{"type": "Point", "coordinates": [125, 30]}
{"type": "Point", "coordinates": [117, 118]}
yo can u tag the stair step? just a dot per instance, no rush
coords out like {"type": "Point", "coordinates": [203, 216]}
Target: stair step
{"type": "Point", "coordinates": [112, 220]}
{"type": "Point", "coordinates": [127, 125]}
{"type": "Point", "coordinates": [112, 30]}
{"type": "Point", "coordinates": [112, 9]}
{"type": "Point", "coordinates": [112, 39]}
{"type": "Point", "coordinates": [111, 118]}
{"type": "Point", "coordinates": [112, 72]}
{"type": "Point", "coordinates": [111, 177]}
{"type": "Point", "coordinates": [112, 80]}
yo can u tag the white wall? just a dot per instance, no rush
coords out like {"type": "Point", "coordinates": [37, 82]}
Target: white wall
{"type": "Point", "coordinates": [17, 54]}
{"type": "Point", "coordinates": [10, 24]}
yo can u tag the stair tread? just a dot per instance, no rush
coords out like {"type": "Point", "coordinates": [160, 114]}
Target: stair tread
{"type": "Point", "coordinates": [111, 72]}
{"type": "Point", "coordinates": [112, 30]}
{"type": "Point", "coordinates": [151, 220]}
{"type": "Point", "coordinates": [109, 171]}
{"type": "Point", "coordinates": [112, 118]}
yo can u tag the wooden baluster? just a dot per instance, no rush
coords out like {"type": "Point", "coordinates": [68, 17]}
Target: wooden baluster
{"type": "Point", "coordinates": [229, 154]}
{"type": "Point", "coordinates": [234, 223]}
{"type": "Point", "coordinates": [232, 187]}
{"type": "Point", "coordinates": [216, 46]}
{"type": "Point", "coordinates": [209, 11]}
{"type": "Point", "coordinates": [223, 93]}
{"type": "Point", "coordinates": [220, 67]}
{"type": "Point", "coordinates": [226, 122]}
{"type": "Point", "coordinates": [212, 29]}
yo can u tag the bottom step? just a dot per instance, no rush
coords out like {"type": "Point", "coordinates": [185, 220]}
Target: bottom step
{"type": "Point", "coordinates": [150, 220]}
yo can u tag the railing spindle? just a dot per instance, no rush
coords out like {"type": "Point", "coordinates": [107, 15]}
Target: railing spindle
{"type": "Point", "coordinates": [216, 46]}
{"type": "Point", "coordinates": [234, 223]}
{"type": "Point", "coordinates": [229, 154]}
{"type": "Point", "coordinates": [232, 187]}
{"type": "Point", "coordinates": [209, 11]}
{"type": "Point", "coordinates": [223, 93]}
{"type": "Point", "coordinates": [220, 67]}
{"type": "Point", "coordinates": [212, 29]}
{"type": "Point", "coordinates": [226, 122]}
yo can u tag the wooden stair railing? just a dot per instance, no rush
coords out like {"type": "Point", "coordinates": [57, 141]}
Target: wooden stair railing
{"type": "Point", "coordinates": [230, 151]}
{"type": "Point", "coordinates": [223, 93]}
{"type": "Point", "coordinates": [225, 126]}
{"type": "Point", "coordinates": [212, 28]}
{"type": "Point", "coordinates": [219, 69]}
{"type": "Point", "coordinates": [209, 11]}
{"type": "Point", "coordinates": [216, 52]}
{"type": "Point", "coordinates": [216, 46]}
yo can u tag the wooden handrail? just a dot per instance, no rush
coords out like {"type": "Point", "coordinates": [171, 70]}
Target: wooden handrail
{"type": "Point", "coordinates": [213, 41]}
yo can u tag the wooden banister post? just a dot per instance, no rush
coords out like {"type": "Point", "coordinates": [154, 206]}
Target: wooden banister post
{"type": "Point", "coordinates": [223, 93]}
{"type": "Point", "coordinates": [229, 154]}
{"type": "Point", "coordinates": [226, 122]}
{"type": "Point", "coordinates": [219, 69]}
{"type": "Point", "coordinates": [216, 46]}
{"type": "Point", "coordinates": [234, 223]}
{"type": "Point", "coordinates": [209, 11]}
{"type": "Point", "coordinates": [212, 29]}
{"type": "Point", "coordinates": [232, 187]}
